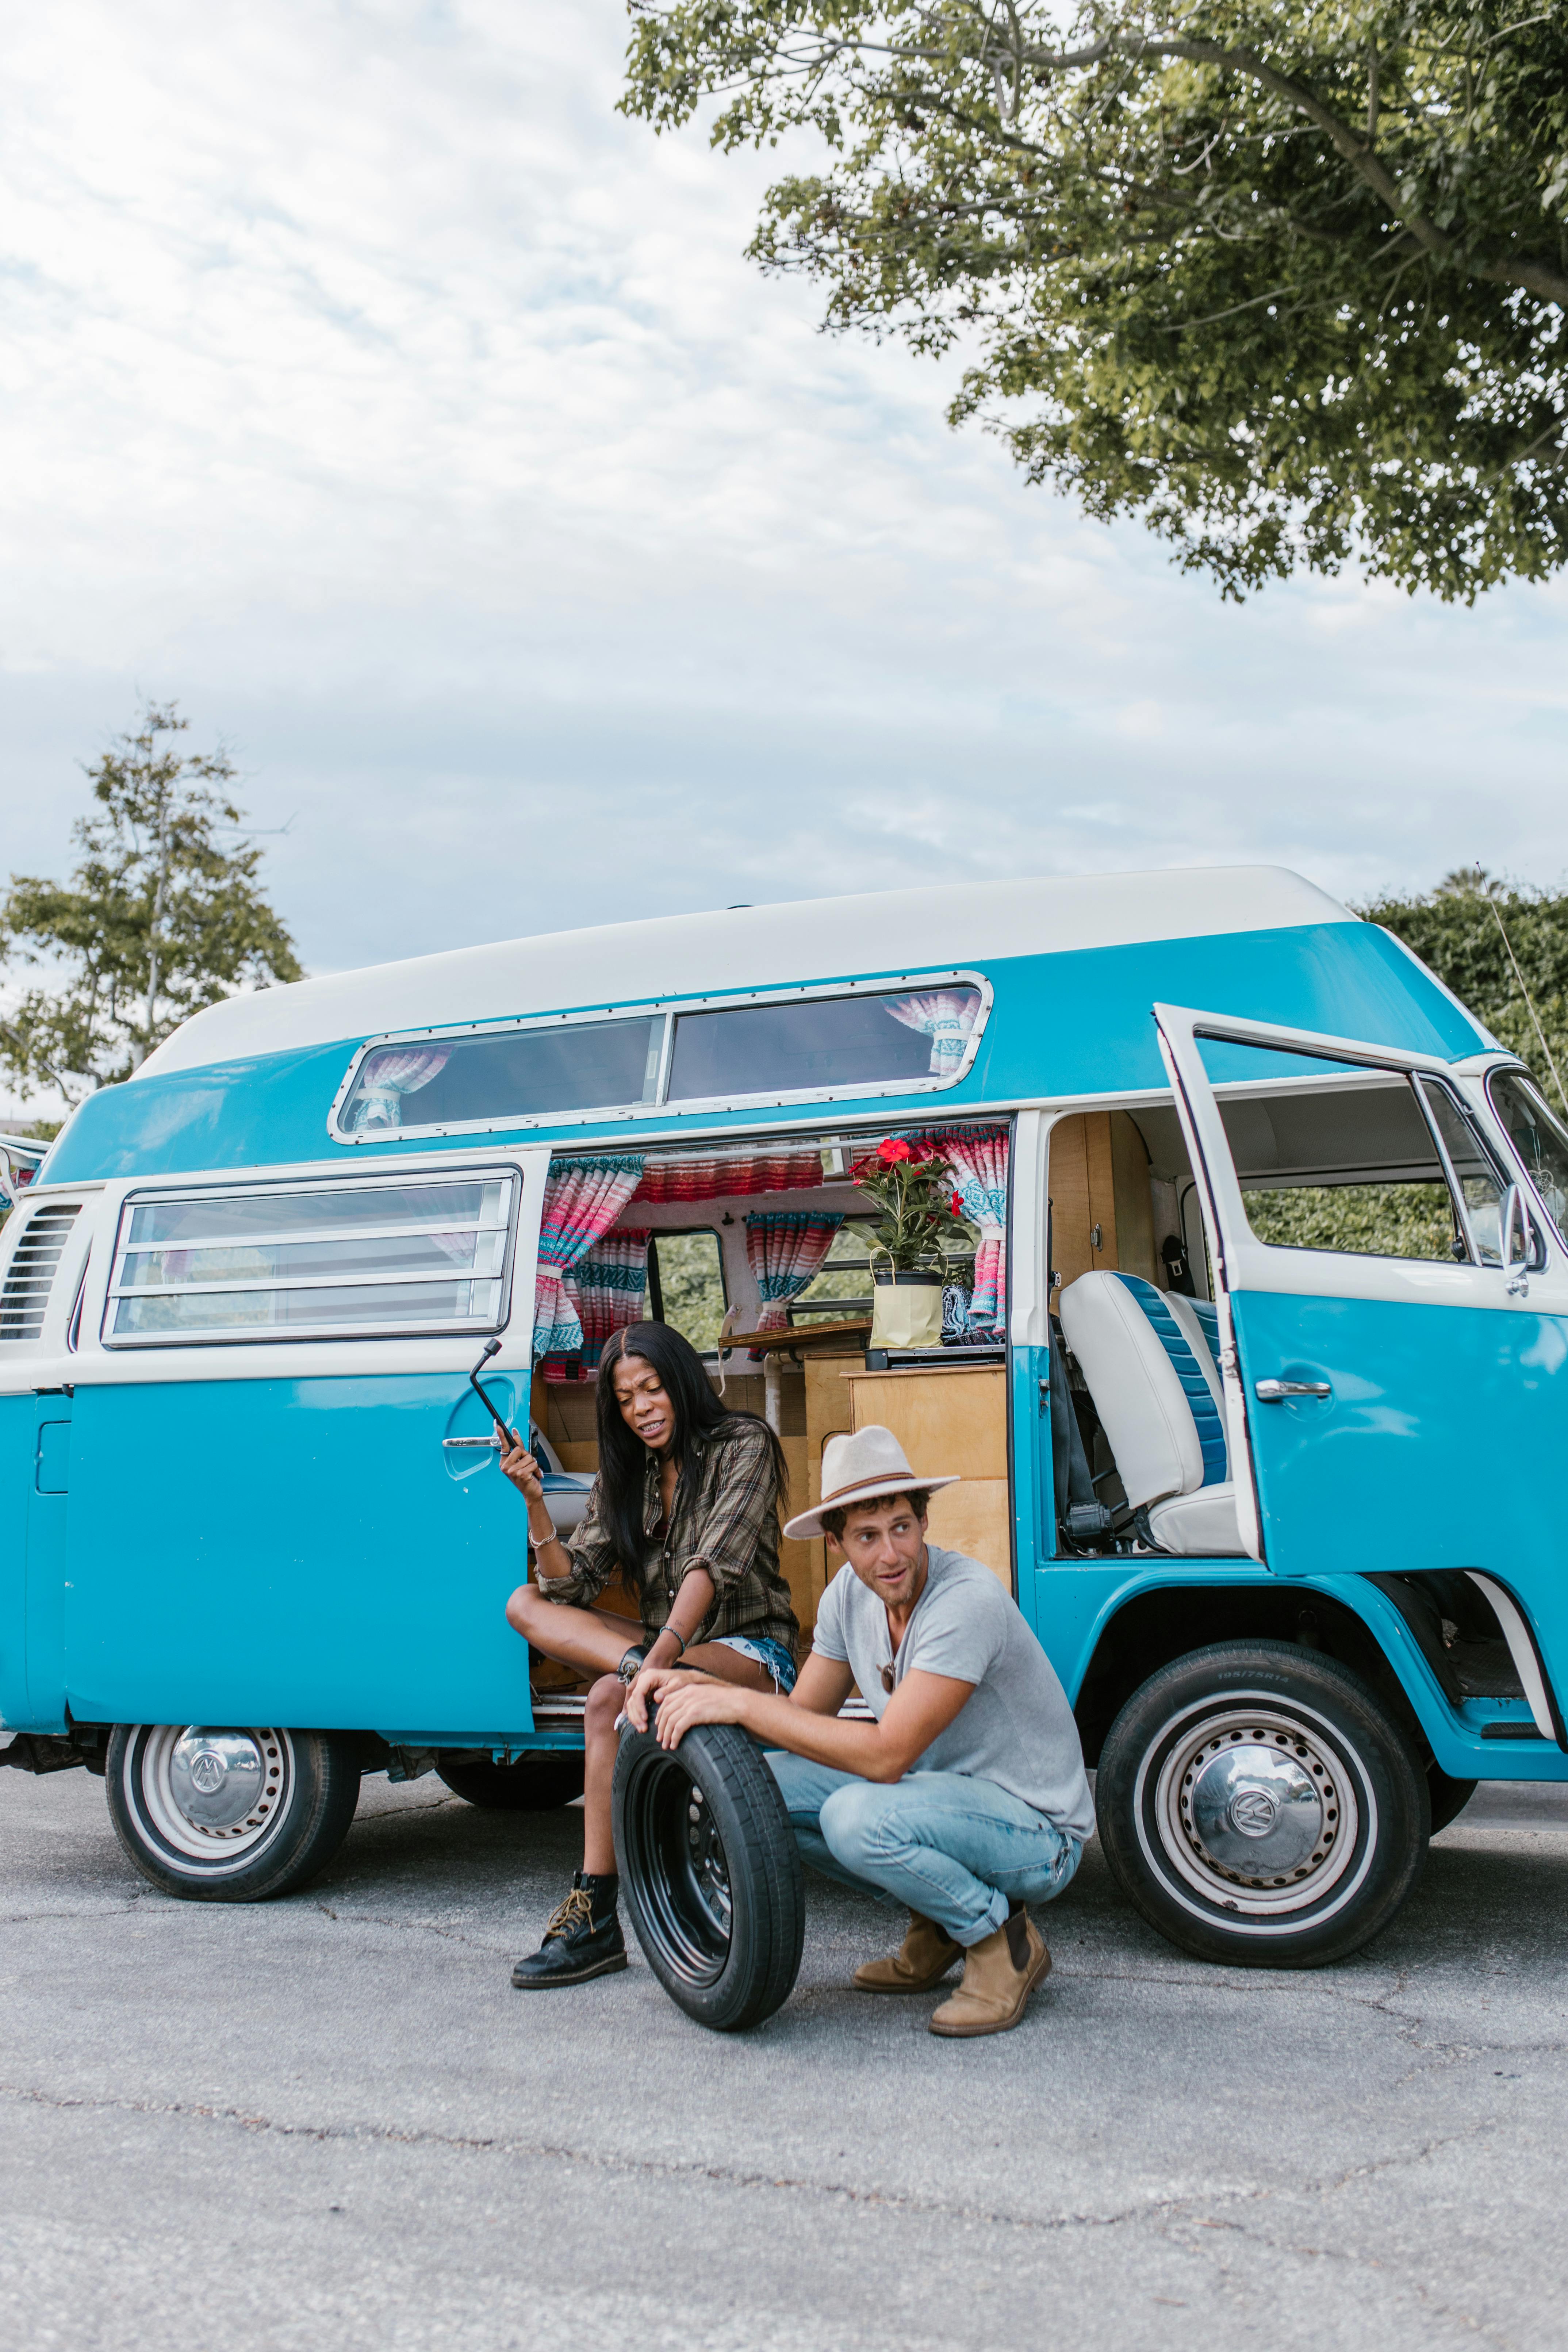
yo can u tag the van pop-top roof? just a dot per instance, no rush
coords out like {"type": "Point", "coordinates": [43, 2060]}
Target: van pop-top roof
{"type": "Point", "coordinates": [1058, 978]}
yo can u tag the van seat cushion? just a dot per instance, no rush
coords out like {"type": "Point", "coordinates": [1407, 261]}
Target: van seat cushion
{"type": "Point", "coordinates": [1190, 1340]}
{"type": "Point", "coordinates": [1138, 1393]}
{"type": "Point", "coordinates": [1201, 1524]}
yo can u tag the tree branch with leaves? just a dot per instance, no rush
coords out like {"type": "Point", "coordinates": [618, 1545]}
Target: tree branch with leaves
{"type": "Point", "coordinates": [1288, 281]}
{"type": "Point", "coordinates": [159, 919]}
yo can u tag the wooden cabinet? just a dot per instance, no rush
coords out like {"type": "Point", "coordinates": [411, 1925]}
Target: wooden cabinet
{"type": "Point", "coordinates": [1102, 1207]}
{"type": "Point", "coordinates": [950, 1418]}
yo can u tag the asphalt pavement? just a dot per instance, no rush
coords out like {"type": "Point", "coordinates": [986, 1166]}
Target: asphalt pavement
{"type": "Point", "coordinates": [330, 2121]}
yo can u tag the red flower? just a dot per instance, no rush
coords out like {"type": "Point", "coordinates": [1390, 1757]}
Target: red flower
{"type": "Point", "coordinates": [958, 1204]}
{"type": "Point", "coordinates": [893, 1148]}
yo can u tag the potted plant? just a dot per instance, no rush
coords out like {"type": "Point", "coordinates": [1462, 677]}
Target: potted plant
{"type": "Point", "coordinates": [910, 1242]}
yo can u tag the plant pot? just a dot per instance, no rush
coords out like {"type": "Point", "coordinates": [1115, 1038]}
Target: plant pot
{"type": "Point", "coordinates": [907, 1312]}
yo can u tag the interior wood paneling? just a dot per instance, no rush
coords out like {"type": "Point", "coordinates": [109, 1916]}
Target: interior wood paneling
{"type": "Point", "coordinates": [951, 1420]}
{"type": "Point", "coordinates": [1102, 1207]}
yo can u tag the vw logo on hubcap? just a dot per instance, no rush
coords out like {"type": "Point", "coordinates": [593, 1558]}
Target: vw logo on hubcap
{"type": "Point", "coordinates": [208, 1771]}
{"type": "Point", "coordinates": [1253, 1811]}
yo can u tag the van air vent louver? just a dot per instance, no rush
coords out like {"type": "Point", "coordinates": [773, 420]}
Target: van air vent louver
{"type": "Point", "coordinates": [32, 1271]}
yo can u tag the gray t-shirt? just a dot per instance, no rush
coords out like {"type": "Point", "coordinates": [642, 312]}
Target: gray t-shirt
{"type": "Point", "coordinates": [1016, 1728]}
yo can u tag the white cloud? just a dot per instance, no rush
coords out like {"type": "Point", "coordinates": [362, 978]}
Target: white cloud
{"type": "Point", "coordinates": [372, 387]}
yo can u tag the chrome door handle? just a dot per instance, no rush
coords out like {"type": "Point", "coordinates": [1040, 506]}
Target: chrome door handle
{"type": "Point", "coordinates": [491, 1440]}
{"type": "Point", "coordinates": [1274, 1392]}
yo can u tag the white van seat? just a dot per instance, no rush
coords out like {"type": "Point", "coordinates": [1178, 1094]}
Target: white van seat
{"type": "Point", "coordinates": [1149, 1357]}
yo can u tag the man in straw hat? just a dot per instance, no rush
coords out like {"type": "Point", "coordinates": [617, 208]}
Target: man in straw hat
{"type": "Point", "coordinates": [965, 1798]}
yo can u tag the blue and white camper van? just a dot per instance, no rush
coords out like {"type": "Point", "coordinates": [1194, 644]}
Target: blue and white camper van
{"type": "Point", "coordinates": [1253, 1388]}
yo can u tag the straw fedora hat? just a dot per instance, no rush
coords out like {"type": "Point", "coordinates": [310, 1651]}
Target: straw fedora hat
{"type": "Point", "coordinates": [857, 1470]}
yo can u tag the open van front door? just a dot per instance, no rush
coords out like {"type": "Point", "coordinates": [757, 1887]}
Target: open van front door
{"type": "Point", "coordinates": [1392, 1318]}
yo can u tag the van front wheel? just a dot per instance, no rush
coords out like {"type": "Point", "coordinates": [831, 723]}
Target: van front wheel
{"type": "Point", "coordinates": [226, 1815]}
{"type": "Point", "coordinates": [1260, 1807]}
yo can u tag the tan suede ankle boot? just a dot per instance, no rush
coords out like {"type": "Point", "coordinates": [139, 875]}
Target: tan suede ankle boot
{"type": "Point", "coordinates": [929, 1951]}
{"type": "Point", "coordinates": [999, 1975]}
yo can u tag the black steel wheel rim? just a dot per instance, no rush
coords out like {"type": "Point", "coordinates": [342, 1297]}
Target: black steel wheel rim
{"type": "Point", "coordinates": [683, 1881]}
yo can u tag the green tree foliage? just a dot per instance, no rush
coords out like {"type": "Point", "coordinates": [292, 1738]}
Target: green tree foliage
{"type": "Point", "coordinates": [1286, 278]}
{"type": "Point", "coordinates": [159, 919]}
{"type": "Point", "coordinates": [1502, 948]}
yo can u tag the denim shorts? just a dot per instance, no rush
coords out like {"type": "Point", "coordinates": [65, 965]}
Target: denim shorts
{"type": "Point", "coordinates": [771, 1656]}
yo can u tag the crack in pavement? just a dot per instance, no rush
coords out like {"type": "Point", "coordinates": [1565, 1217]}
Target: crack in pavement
{"type": "Point", "coordinates": [1162, 2211]}
{"type": "Point", "coordinates": [413, 1927]}
{"type": "Point", "coordinates": [1402, 2273]}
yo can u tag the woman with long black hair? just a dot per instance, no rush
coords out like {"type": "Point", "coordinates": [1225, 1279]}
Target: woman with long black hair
{"type": "Point", "coordinates": [686, 1506]}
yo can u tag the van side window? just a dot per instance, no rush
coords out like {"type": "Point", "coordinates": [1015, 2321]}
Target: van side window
{"type": "Point", "coordinates": [517, 1073]}
{"type": "Point", "coordinates": [370, 1259]}
{"type": "Point", "coordinates": [1537, 1134]}
{"type": "Point", "coordinates": [916, 1038]}
{"type": "Point", "coordinates": [1344, 1160]}
{"type": "Point", "coordinates": [1481, 1187]}
{"type": "Point", "coordinates": [830, 1042]}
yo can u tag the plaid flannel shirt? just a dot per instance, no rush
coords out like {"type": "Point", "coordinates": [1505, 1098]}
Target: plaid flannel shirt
{"type": "Point", "coordinates": [726, 1521]}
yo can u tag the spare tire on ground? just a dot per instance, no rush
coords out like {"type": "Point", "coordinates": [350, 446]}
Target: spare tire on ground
{"type": "Point", "coordinates": [710, 1872]}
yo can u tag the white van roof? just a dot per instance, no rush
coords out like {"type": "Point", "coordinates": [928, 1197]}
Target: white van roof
{"type": "Point", "coordinates": [748, 947]}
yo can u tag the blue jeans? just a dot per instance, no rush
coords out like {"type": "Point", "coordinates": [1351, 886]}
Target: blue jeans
{"type": "Point", "coordinates": [958, 1850]}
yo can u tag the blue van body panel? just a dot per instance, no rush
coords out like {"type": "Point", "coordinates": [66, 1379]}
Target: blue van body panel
{"type": "Point", "coordinates": [1435, 1406]}
{"type": "Point", "coordinates": [18, 1426]}
{"type": "Point", "coordinates": [294, 1552]}
{"type": "Point", "coordinates": [34, 1457]}
{"type": "Point", "coordinates": [1072, 1023]}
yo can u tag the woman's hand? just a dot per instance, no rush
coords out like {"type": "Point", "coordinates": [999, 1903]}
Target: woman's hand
{"type": "Point", "coordinates": [692, 1698]}
{"type": "Point", "coordinates": [519, 1464]}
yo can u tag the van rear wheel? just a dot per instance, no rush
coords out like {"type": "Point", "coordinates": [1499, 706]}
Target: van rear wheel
{"type": "Point", "coordinates": [536, 1783]}
{"type": "Point", "coordinates": [230, 1815]}
{"type": "Point", "coordinates": [1260, 1807]}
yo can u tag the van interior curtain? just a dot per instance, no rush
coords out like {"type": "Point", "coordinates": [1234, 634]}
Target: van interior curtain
{"type": "Point", "coordinates": [944, 1015]}
{"type": "Point", "coordinates": [784, 1247]}
{"type": "Point", "coordinates": [606, 1287]}
{"type": "Point", "coordinates": [385, 1077]}
{"type": "Point", "coordinates": [583, 1198]}
{"type": "Point", "coordinates": [725, 1172]}
{"type": "Point", "coordinates": [977, 1158]}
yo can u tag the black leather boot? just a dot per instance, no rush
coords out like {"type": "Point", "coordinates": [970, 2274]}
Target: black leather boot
{"type": "Point", "coordinates": [583, 1938]}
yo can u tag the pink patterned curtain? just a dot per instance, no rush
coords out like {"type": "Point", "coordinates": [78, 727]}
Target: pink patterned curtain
{"type": "Point", "coordinates": [708, 1175]}
{"type": "Point", "coordinates": [784, 1247]}
{"type": "Point", "coordinates": [606, 1288]}
{"type": "Point", "coordinates": [945, 1015]}
{"type": "Point", "coordinates": [385, 1077]}
{"type": "Point", "coordinates": [978, 1160]}
{"type": "Point", "coordinates": [583, 1198]}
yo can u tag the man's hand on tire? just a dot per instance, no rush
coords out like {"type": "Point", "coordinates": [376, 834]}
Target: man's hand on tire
{"type": "Point", "coordinates": [690, 1699]}
{"type": "Point", "coordinates": [650, 1684]}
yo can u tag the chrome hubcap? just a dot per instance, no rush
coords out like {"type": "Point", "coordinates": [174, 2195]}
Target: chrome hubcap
{"type": "Point", "coordinates": [214, 1796]}
{"type": "Point", "coordinates": [217, 1778]}
{"type": "Point", "coordinates": [1256, 1810]}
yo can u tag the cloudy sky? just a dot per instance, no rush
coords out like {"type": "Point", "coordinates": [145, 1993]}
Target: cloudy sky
{"type": "Point", "coordinates": [374, 389]}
